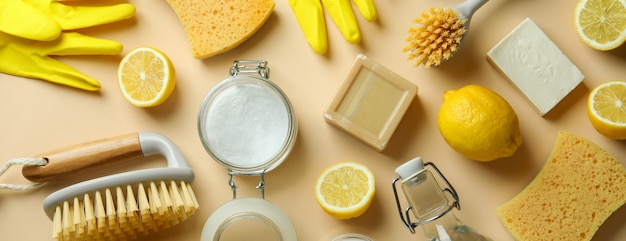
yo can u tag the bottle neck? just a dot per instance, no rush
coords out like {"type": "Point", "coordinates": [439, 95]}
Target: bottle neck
{"type": "Point", "coordinates": [440, 229]}
{"type": "Point", "coordinates": [449, 228]}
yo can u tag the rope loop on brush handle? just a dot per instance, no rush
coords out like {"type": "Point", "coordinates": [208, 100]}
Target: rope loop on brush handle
{"type": "Point", "coordinates": [25, 161]}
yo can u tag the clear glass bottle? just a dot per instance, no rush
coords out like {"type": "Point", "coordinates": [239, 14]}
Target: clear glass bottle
{"type": "Point", "coordinates": [429, 204]}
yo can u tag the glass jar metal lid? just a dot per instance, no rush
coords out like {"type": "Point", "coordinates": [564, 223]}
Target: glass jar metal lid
{"type": "Point", "coordinates": [247, 124]}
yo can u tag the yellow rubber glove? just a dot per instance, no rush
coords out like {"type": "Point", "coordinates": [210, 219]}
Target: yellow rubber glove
{"type": "Point", "coordinates": [31, 58]}
{"type": "Point", "coordinates": [45, 19]}
{"type": "Point", "coordinates": [310, 16]}
{"type": "Point", "coordinates": [77, 17]}
{"type": "Point", "coordinates": [21, 19]}
{"type": "Point", "coordinates": [25, 48]}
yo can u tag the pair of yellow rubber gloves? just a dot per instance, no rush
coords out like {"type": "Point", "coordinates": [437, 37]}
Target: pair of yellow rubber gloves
{"type": "Point", "coordinates": [310, 15]}
{"type": "Point", "coordinates": [33, 30]}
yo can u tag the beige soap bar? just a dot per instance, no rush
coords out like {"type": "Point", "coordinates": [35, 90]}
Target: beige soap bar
{"type": "Point", "coordinates": [371, 102]}
{"type": "Point", "coordinates": [535, 65]}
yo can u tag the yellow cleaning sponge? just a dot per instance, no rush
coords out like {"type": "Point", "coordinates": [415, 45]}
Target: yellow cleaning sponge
{"type": "Point", "coordinates": [577, 189]}
{"type": "Point", "coordinates": [214, 26]}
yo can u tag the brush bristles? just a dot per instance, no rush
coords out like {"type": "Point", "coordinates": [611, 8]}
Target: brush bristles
{"type": "Point", "coordinates": [437, 36]}
{"type": "Point", "coordinates": [124, 216]}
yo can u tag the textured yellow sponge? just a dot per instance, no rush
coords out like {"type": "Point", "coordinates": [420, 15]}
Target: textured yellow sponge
{"type": "Point", "coordinates": [214, 26]}
{"type": "Point", "coordinates": [578, 188]}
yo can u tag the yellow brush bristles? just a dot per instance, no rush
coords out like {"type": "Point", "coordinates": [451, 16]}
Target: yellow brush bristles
{"type": "Point", "coordinates": [115, 215]}
{"type": "Point", "coordinates": [437, 36]}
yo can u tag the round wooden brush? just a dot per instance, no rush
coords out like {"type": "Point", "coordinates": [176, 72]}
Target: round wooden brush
{"type": "Point", "coordinates": [120, 206]}
{"type": "Point", "coordinates": [439, 32]}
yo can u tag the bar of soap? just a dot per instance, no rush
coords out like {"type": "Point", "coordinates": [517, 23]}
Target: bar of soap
{"type": "Point", "coordinates": [535, 66]}
{"type": "Point", "coordinates": [370, 103]}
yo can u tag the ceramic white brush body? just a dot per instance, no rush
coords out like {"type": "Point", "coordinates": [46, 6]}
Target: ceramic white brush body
{"type": "Point", "coordinates": [439, 32]}
{"type": "Point", "coordinates": [120, 206]}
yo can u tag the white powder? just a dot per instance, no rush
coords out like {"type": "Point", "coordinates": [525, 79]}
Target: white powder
{"type": "Point", "coordinates": [247, 125]}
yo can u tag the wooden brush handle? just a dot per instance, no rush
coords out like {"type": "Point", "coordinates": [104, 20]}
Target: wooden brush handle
{"type": "Point", "coordinates": [82, 158]}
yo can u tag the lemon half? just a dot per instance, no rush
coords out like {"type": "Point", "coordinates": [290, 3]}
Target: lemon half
{"type": "Point", "coordinates": [606, 108]}
{"type": "Point", "coordinates": [601, 24]}
{"type": "Point", "coordinates": [146, 77]}
{"type": "Point", "coordinates": [345, 189]}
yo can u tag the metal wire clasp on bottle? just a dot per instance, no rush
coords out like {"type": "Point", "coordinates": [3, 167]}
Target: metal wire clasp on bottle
{"type": "Point", "coordinates": [419, 183]}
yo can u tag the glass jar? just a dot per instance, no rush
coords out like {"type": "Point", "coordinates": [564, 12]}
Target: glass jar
{"type": "Point", "coordinates": [247, 124]}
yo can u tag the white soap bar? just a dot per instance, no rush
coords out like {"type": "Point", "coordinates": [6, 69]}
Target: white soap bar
{"type": "Point", "coordinates": [535, 65]}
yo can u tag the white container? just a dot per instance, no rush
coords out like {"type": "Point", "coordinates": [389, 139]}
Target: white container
{"type": "Point", "coordinates": [247, 124]}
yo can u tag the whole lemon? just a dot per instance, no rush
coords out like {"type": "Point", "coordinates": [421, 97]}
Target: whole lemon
{"type": "Point", "coordinates": [478, 123]}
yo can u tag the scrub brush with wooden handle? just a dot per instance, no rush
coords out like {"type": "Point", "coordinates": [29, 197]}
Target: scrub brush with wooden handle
{"type": "Point", "coordinates": [439, 32]}
{"type": "Point", "coordinates": [120, 206]}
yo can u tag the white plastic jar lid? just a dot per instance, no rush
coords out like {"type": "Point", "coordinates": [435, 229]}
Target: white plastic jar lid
{"type": "Point", "coordinates": [247, 124]}
{"type": "Point", "coordinates": [255, 209]}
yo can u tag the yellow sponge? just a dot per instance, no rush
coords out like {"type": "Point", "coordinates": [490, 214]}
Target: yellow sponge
{"type": "Point", "coordinates": [215, 26]}
{"type": "Point", "coordinates": [578, 188]}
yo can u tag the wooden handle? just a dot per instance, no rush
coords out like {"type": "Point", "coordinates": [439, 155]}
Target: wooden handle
{"type": "Point", "coordinates": [82, 158]}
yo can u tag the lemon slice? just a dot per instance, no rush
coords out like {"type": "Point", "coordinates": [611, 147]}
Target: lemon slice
{"type": "Point", "coordinates": [146, 77]}
{"type": "Point", "coordinates": [601, 24]}
{"type": "Point", "coordinates": [606, 108]}
{"type": "Point", "coordinates": [345, 190]}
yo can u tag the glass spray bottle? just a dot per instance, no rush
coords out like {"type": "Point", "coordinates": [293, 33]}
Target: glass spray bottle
{"type": "Point", "coordinates": [430, 205]}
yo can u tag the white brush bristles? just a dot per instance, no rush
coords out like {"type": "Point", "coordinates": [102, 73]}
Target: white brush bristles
{"type": "Point", "coordinates": [124, 216]}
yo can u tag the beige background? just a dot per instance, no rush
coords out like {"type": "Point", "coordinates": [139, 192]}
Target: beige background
{"type": "Point", "coordinates": [37, 116]}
